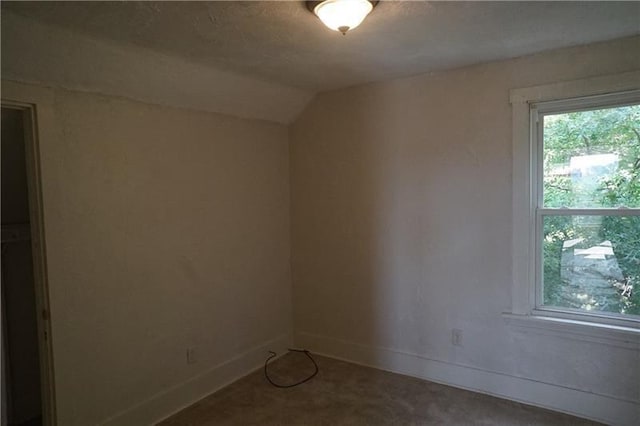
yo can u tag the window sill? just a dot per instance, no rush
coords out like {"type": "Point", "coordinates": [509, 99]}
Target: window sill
{"type": "Point", "coordinates": [612, 335]}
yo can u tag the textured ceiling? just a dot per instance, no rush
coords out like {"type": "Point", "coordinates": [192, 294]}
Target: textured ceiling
{"type": "Point", "coordinates": [282, 42]}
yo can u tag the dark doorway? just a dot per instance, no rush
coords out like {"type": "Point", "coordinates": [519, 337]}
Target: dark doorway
{"type": "Point", "coordinates": [21, 381]}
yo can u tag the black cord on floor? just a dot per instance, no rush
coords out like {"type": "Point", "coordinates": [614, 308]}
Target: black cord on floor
{"type": "Point", "coordinates": [273, 354]}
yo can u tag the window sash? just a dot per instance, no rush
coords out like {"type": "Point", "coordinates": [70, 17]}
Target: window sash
{"type": "Point", "coordinates": [568, 211]}
{"type": "Point", "coordinates": [624, 320]}
{"type": "Point", "coordinates": [537, 113]}
{"type": "Point", "coordinates": [550, 310]}
{"type": "Point", "coordinates": [587, 103]}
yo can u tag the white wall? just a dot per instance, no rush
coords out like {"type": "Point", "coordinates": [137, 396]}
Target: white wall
{"type": "Point", "coordinates": [401, 219]}
{"type": "Point", "coordinates": [165, 229]}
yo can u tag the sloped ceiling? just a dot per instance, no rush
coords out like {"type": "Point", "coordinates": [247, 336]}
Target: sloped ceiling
{"type": "Point", "coordinates": [281, 44]}
{"type": "Point", "coordinates": [33, 52]}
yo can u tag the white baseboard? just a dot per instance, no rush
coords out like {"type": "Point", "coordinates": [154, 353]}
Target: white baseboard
{"type": "Point", "coordinates": [172, 400]}
{"type": "Point", "coordinates": [579, 403]}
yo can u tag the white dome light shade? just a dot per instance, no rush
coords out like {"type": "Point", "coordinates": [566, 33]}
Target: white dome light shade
{"type": "Point", "coordinates": [343, 15]}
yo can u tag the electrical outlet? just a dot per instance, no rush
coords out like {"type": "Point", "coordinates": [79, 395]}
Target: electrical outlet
{"type": "Point", "coordinates": [456, 337]}
{"type": "Point", "coordinates": [191, 356]}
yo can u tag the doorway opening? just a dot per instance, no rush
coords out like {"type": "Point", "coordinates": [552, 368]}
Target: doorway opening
{"type": "Point", "coordinates": [25, 343]}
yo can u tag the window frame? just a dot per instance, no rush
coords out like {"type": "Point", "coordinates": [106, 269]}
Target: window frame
{"type": "Point", "coordinates": [528, 105]}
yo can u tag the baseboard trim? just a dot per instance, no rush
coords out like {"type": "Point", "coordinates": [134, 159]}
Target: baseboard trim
{"type": "Point", "coordinates": [579, 403]}
{"type": "Point", "coordinates": [182, 395]}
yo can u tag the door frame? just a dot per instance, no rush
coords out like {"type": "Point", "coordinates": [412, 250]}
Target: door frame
{"type": "Point", "coordinates": [36, 105]}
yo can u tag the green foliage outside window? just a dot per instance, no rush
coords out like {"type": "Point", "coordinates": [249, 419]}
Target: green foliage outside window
{"type": "Point", "coordinates": [567, 137]}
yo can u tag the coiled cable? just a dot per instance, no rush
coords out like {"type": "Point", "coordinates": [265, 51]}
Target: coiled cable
{"type": "Point", "coordinates": [273, 355]}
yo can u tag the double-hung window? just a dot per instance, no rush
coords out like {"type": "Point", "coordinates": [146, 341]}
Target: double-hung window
{"type": "Point", "coordinates": [577, 237]}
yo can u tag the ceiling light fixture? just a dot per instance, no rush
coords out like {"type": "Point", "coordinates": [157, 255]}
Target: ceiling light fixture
{"type": "Point", "coordinates": [341, 15]}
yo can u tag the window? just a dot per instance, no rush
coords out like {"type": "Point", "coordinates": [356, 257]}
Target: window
{"type": "Point", "coordinates": [587, 229]}
{"type": "Point", "coordinates": [576, 201]}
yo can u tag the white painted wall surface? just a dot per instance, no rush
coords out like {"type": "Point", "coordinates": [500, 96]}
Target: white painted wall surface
{"type": "Point", "coordinates": [165, 229]}
{"type": "Point", "coordinates": [401, 232]}
{"type": "Point", "coordinates": [34, 52]}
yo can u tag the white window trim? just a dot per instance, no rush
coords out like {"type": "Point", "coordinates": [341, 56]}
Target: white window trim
{"type": "Point", "coordinates": [523, 192]}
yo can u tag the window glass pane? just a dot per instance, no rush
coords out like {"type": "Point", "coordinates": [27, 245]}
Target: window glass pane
{"type": "Point", "coordinates": [592, 263]}
{"type": "Point", "coordinates": [592, 158]}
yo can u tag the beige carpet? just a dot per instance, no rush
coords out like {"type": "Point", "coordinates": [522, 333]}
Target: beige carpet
{"type": "Point", "coordinates": [349, 394]}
